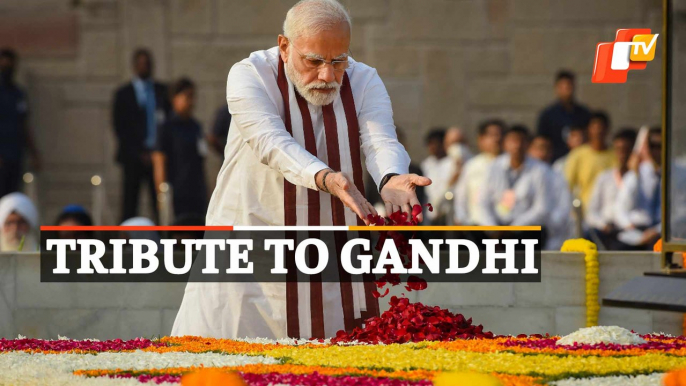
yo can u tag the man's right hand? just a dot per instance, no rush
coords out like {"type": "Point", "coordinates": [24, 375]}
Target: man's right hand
{"type": "Point", "coordinates": [337, 184]}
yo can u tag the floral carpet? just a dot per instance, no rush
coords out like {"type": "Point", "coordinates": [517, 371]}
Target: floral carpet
{"type": "Point", "coordinates": [507, 360]}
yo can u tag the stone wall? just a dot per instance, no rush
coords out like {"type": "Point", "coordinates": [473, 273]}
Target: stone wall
{"type": "Point", "coordinates": [444, 62]}
{"type": "Point", "coordinates": [117, 310]}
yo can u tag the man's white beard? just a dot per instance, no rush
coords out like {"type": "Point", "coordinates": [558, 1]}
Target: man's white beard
{"type": "Point", "coordinates": [307, 90]}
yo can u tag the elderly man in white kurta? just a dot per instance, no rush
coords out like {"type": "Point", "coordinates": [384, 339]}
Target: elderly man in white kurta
{"type": "Point", "coordinates": [302, 114]}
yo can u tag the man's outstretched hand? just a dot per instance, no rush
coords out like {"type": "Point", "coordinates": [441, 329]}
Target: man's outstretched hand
{"type": "Point", "coordinates": [399, 193]}
{"type": "Point", "coordinates": [337, 184]}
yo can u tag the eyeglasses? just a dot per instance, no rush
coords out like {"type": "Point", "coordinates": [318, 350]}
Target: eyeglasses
{"type": "Point", "coordinates": [316, 63]}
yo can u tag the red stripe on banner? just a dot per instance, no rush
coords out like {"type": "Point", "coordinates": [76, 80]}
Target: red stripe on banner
{"type": "Point", "coordinates": [292, 318]}
{"type": "Point", "coordinates": [136, 228]}
{"type": "Point", "coordinates": [334, 156]}
{"type": "Point", "coordinates": [372, 303]}
{"type": "Point", "coordinates": [313, 219]}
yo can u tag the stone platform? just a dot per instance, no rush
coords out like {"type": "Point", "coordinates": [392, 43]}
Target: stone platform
{"type": "Point", "coordinates": [129, 310]}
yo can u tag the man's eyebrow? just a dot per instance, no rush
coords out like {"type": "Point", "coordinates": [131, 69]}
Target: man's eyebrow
{"type": "Point", "coordinates": [311, 55]}
{"type": "Point", "coordinates": [341, 56]}
{"type": "Point", "coordinates": [314, 56]}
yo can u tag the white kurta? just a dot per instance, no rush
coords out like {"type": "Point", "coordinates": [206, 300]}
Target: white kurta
{"type": "Point", "coordinates": [259, 155]}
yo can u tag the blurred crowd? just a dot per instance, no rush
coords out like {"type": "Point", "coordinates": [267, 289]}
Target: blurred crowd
{"type": "Point", "coordinates": [573, 174]}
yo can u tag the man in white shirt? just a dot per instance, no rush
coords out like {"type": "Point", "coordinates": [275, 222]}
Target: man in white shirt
{"type": "Point", "coordinates": [518, 189]}
{"type": "Point", "coordinates": [472, 182]}
{"type": "Point", "coordinates": [559, 224]}
{"type": "Point", "coordinates": [439, 167]}
{"type": "Point", "coordinates": [638, 214]}
{"type": "Point", "coordinates": [302, 113]}
{"type": "Point", "coordinates": [600, 217]}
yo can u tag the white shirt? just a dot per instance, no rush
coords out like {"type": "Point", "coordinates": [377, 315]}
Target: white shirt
{"type": "Point", "coordinates": [602, 207]}
{"type": "Point", "coordinates": [469, 189]}
{"type": "Point", "coordinates": [638, 200]}
{"type": "Point", "coordinates": [440, 171]}
{"type": "Point", "coordinates": [517, 197]}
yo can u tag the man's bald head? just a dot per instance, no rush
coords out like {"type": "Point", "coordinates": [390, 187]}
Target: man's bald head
{"type": "Point", "coordinates": [309, 17]}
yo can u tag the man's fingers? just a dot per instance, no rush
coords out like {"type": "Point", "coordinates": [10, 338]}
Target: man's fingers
{"type": "Point", "coordinates": [407, 209]}
{"type": "Point", "coordinates": [356, 203]}
{"type": "Point", "coordinates": [396, 208]}
{"type": "Point", "coordinates": [389, 208]}
{"type": "Point", "coordinates": [414, 201]}
{"type": "Point", "coordinates": [420, 181]}
{"type": "Point", "coordinates": [372, 209]}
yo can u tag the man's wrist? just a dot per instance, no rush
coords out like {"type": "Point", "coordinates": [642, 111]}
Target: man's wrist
{"type": "Point", "coordinates": [320, 179]}
{"type": "Point", "coordinates": [385, 180]}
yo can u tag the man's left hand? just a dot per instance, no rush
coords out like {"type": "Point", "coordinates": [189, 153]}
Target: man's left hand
{"type": "Point", "coordinates": [399, 193]}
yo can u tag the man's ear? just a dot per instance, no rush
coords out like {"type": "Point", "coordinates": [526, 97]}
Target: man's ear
{"type": "Point", "coordinates": [283, 48]}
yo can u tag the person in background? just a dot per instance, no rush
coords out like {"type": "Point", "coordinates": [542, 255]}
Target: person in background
{"type": "Point", "coordinates": [18, 223]}
{"type": "Point", "coordinates": [576, 138]}
{"type": "Point", "coordinates": [559, 224]}
{"type": "Point", "coordinates": [586, 162]}
{"type": "Point", "coordinates": [74, 215]}
{"type": "Point", "coordinates": [439, 168]}
{"type": "Point", "coordinates": [557, 119]}
{"type": "Point", "coordinates": [518, 189]}
{"type": "Point", "coordinates": [371, 191]}
{"type": "Point", "coordinates": [600, 217]}
{"type": "Point", "coordinates": [137, 234]}
{"type": "Point", "coordinates": [139, 107]}
{"type": "Point", "coordinates": [457, 149]}
{"type": "Point", "coordinates": [638, 214]}
{"type": "Point", "coordinates": [220, 130]}
{"type": "Point", "coordinates": [15, 135]}
{"type": "Point", "coordinates": [471, 183]}
{"type": "Point", "coordinates": [180, 153]}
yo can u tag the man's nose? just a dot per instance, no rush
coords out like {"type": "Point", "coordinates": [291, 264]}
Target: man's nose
{"type": "Point", "coordinates": [326, 73]}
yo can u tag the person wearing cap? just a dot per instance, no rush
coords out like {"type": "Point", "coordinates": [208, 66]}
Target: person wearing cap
{"type": "Point", "coordinates": [19, 223]}
{"type": "Point", "coordinates": [74, 215]}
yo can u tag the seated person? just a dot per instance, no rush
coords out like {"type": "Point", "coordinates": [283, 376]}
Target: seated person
{"type": "Point", "coordinates": [74, 215]}
{"type": "Point", "coordinates": [473, 179]}
{"type": "Point", "coordinates": [560, 224]}
{"type": "Point", "coordinates": [638, 214]}
{"type": "Point", "coordinates": [18, 223]}
{"type": "Point", "coordinates": [600, 217]}
{"type": "Point", "coordinates": [586, 162]}
{"type": "Point", "coordinates": [518, 189]}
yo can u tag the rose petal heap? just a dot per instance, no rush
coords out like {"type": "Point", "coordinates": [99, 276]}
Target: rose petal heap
{"type": "Point", "coordinates": [400, 239]}
{"type": "Point", "coordinates": [413, 322]}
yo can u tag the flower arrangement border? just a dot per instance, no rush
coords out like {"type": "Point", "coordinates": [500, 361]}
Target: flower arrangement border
{"type": "Point", "coordinates": [590, 251]}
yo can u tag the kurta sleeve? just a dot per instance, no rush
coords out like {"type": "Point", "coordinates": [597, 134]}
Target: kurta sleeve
{"type": "Point", "coordinates": [260, 125]}
{"type": "Point", "coordinates": [383, 153]}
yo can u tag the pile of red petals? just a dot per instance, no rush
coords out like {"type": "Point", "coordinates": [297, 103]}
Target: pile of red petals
{"type": "Point", "coordinates": [413, 322]}
{"type": "Point", "coordinates": [68, 345]}
{"type": "Point", "coordinates": [400, 239]}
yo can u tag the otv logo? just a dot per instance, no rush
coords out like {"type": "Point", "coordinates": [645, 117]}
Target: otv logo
{"type": "Point", "coordinates": [632, 50]}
